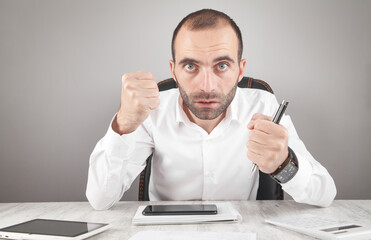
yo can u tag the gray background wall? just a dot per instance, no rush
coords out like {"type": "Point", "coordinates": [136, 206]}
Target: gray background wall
{"type": "Point", "coordinates": [61, 64]}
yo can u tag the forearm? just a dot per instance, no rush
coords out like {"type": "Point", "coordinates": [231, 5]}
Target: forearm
{"type": "Point", "coordinates": [107, 166]}
{"type": "Point", "coordinates": [113, 166]}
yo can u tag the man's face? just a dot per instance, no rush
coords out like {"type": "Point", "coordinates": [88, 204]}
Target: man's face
{"type": "Point", "coordinates": [207, 69]}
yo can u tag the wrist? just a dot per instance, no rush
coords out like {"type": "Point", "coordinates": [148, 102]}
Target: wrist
{"type": "Point", "coordinates": [120, 126]}
{"type": "Point", "coordinates": [283, 165]}
{"type": "Point", "coordinates": [287, 170]}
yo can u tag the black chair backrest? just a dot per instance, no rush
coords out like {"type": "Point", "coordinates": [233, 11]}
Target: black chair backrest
{"type": "Point", "coordinates": [268, 188]}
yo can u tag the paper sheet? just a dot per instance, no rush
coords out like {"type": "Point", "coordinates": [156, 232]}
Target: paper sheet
{"type": "Point", "coordinates": [180, 235]}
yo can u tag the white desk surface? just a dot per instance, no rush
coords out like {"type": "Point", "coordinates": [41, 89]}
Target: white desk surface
{"type": "Point", "coordinates": [120, 216]}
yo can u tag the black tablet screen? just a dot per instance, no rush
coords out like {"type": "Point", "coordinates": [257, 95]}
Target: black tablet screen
{"type": "Point", "coordinates": [53, 227]}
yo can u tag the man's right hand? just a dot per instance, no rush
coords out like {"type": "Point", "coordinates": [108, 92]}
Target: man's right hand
{"type": "Point", "coordinates": [139, 95]}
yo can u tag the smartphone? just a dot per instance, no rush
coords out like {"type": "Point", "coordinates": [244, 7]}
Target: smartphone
{"type": "Point", "coordinates": [194, 209]}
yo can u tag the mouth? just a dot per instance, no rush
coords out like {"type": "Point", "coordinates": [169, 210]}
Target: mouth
{"type": "Point", "coordinates": [207, 103]}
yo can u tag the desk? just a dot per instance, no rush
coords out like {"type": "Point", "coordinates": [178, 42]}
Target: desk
{"type": "Point", "coordinates": [120, 216]}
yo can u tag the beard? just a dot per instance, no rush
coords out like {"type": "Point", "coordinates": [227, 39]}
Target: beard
{"type": "Point", "coordinates": [207, 113]}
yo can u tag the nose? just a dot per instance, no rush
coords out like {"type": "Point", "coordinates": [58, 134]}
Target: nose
{"type": "Point", "coordinates": [208, 83]}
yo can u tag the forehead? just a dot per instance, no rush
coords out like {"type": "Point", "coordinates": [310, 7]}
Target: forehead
{"type": "Point", "coordinates": [221, 40]}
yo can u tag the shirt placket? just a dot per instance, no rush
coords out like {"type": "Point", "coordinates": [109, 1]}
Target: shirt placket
{"type": "Point", "coordinates": [209, 168]}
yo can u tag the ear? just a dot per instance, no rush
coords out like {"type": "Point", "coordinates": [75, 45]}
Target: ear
{"type": "Point", "coordinates": [242, 69]}
{"type": "Point", "coordinates": [172, 68]}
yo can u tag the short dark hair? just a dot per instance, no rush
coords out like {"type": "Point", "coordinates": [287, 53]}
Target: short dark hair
{"type": "Point", "coordinates": [205, 19]}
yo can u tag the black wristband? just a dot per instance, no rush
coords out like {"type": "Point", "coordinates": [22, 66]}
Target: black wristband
{"type": "Point", "coordinates": [287, 170]}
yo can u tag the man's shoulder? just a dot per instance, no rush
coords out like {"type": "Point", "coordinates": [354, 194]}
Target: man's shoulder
{"type": "Point", "coordinates": [252, 94]}
{"type": "Point", "coordinates": [251, 100]}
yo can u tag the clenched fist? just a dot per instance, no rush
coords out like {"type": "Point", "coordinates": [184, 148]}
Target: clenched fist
{"type": "Point", "coordinates": [139, 95]}
{"type": "Point", "coordinates": [267, 146]}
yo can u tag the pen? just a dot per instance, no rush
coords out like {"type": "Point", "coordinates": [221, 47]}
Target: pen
{"type": "Point", "coordinates": [276, 119]}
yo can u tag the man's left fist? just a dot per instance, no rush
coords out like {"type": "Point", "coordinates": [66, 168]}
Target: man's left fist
{"type": "Point", "coordinates": [267, 146]}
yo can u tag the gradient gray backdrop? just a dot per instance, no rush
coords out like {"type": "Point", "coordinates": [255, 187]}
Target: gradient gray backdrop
{"type": "Point", "coordinates": [61, 64]}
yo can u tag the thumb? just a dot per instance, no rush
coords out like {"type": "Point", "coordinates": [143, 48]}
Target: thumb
{"type": "Point", "coordinates": [257, 116]}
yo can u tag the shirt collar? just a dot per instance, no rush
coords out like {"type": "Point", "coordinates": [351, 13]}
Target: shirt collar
{"type": "Point", "coordinates": [232, 110]}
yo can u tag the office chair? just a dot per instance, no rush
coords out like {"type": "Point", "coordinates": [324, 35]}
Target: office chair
{"type": "Point", "coordinates": [268, 188]}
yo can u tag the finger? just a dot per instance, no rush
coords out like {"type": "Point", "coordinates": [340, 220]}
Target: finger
{"type": "Point", "coordinates": [259, 136]}
{"type": "Point", "coordinates": [254, 157]}
{"type": "Point", "coordinates": [145, 93]}
{"type": "Point", "coordinates": [261, 125]}
{"type": "Point", "coordinates": [143, 75]}
{"type": "Point", "coordinates": [130, 77]}
{"type": "Point", "coordinates": [256, 147]}
{"type": "Point", "coordinates": [143, 83]}
{"type": "Point", "coordinates": [151, 103]}
{"type": "Point", "coordinates": [272, 129]}
{"type": "Point", "coordinates": [255, 117]}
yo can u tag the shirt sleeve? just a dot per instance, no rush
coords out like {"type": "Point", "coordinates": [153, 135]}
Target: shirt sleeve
{"type": "Point", "coordinates": [115, 163]}
{"type": "Point", "coordinates": [312, 184]}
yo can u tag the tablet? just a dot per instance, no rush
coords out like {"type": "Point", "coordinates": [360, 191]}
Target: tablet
{"type": "Point", "coordinates": [52, 229]}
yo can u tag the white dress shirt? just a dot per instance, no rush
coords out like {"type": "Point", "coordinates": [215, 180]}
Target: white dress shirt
{"type": "Point", "coordinates": [190, 164]}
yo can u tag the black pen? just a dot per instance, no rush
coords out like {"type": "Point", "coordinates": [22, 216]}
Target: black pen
{"type": "Point", "coordinates": [276, 119]}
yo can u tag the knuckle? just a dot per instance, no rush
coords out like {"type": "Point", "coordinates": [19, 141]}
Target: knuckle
{"type": "Point", "coordinates": [285, 134]}
{"type": "Point", "coordinates": [132, 94]}
{"type": "Point", "coordinates": [149, 74]}
{"type": "Point", "coordinates": [153, 84]}
{"type": "Point", "coordinates": [126, 85]}
{"type": "Point", "coordinates": [125, 77]}
{"type": "Point", "coordinates": [276, 146]}
{"type": "Point", "coordinates": [280, 132]}
{"type": "Point", "coordinates": [137, 103]}
{"type": "Point", "coordinates": [255, 116]}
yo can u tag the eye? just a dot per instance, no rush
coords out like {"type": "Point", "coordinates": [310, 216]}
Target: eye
{"type": "Point", "coordinates": [222, 66]}
{"type": "Point", "coordinates": [190, 67]}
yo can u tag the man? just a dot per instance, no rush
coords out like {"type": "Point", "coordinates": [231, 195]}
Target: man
{"type": "Point", "coordinates": [206, 135]}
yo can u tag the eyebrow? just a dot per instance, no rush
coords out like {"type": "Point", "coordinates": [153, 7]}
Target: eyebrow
{"type": "Point", "coordinates": [188, 60]}
{"type": "Point", "coordinates": [218, 59]}
{"type": "Point", "coordinates": [223, 58]}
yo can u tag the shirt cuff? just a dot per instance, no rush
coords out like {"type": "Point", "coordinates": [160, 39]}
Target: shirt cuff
{"type": "Point", "coordinates": [117, 144]}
